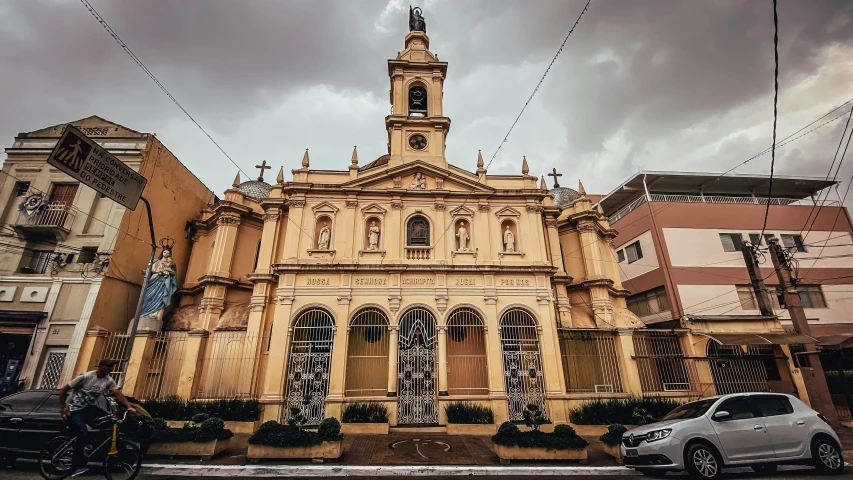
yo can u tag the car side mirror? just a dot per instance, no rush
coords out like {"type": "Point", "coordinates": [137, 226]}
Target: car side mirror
{"type": "Point", "coordinates": [721, 415]}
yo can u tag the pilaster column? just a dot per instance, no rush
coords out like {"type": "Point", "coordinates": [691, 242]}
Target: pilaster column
{"type": "Point", "coordinates": [589, 245]}
{"type": "Point", "coordinates": [442, 360]}
{"type": "Point", "coordinates": [79, 332]}
{"type": "Point", "coordinates": [394, 241]}
{"type": "Point", "coordinates": [393, 352]}
{"type": "Point", "coordinates": [190, 366]}
{"type": "Point", "coordinates": [92, 343]}
{"type": "Point", "coordinates": [269, 239]}
{"type": "Point", "coordinates": [222, 252]}
{"type": "Point", "coordinates": [627, 364]}
{"type": "Point", "coordinates": [296, 211]}
{"type": "Point", "coordinates": [272, 393]}
{"type": "Point", "coordinates": [137, 367]}
{"type": "Point", "coordinates": [485, 233]}
{"type": "Point", "coordinates": [554, 242]}
{"type": "Point", "coordinates": [337, 375]}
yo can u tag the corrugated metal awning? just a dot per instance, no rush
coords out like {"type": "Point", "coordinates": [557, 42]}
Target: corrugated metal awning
{"type": "Point", "coordinates": [760, 338]}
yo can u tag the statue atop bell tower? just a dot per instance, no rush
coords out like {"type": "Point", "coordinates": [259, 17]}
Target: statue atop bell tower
{"type": "Point", "coordinates": [417, 127]}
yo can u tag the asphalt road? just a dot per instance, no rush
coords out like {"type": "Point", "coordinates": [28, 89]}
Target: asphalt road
{"type": "Point", "coordinates": [28, 472]}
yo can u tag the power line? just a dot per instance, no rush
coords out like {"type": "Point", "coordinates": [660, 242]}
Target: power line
{"type": "Point", "coordinates": [775, 111]}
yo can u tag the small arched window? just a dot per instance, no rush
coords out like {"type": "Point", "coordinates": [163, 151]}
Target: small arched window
{"type": "Point", "coordinates": [417, 232]}
{"type": "Point", "coordinates": [417, 102]}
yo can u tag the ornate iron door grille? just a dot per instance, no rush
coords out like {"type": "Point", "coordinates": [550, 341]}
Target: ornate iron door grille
{"type": "Point", "coordinates": [308, 366]}
{"type": "Point", "coordinates": [416, 369]}
{"type": "Point", "coordinates": [52, 370]}
{"type": "Point", "coordinates": [522, 363]}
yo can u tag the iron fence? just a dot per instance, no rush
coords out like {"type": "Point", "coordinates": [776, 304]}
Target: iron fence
{"type": "Point", "coordinates": [467, 367]}
{"type": "Point", "coordinates": [367, 354]}
{"type": "Point", "coordinates": [113, 349]}
{"type": "Point", "coordinates": [590, 362]}
{"type": "Point", "coordinates": [228, 365]}
{"type": "Point", "coordinates": [163, 369]}
{"type": "Point", "coordinates": [661, 363]}
{"type": "Point", "coordinates": [734, 370]}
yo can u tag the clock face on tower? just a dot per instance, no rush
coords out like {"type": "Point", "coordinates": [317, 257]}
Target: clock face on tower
{"type": "Point", "coordinates": [418, 141]}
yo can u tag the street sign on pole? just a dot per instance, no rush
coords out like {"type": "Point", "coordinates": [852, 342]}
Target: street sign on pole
{"type": "Point", "coordinates": [82, 158]}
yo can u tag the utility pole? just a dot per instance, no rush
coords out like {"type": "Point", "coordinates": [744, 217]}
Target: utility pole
{"type": "Point", "coordinates": [813, 376]}
{"type": "Point", "coordinates": [750, 257]}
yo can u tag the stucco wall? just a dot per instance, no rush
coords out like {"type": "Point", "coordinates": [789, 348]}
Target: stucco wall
{"type": "Point", "coordinates": [646, 264]}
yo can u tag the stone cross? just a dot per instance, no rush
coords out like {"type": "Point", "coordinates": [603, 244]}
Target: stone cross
{"type": "Point", "coordinates": [555, 175]}
{"type": "Point", "coordinates": [263, 166]}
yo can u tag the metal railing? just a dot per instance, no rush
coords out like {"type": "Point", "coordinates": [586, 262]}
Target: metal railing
{"type": "Point", "coordinates": [54, 214]}
{"type": "Point", "coordinates": [661, 363]}
{"type": "Point", "coordinates": [228, 364]}
{"type": "Point", "coordinates": [113, 349]}
{"type": "Point", "coordinates": [467, 366]}
{"type": "Point", "coordinates": [690, 198]}
{"type": "Point", "coordinates": [163, 369]}
{"type": "Point", "coordinates": [590, 363]}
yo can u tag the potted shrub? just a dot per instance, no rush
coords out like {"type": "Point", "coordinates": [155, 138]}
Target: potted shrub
{"type": "Point", "coordinates": [241, 415]}
{"type": "Point", "coordinates": [562, 444]}
{"type": "Point", "coordinates": [365, 418]}
{"type": "Point", "coordinates": [274, 440]}
{"type": "Point", "coordinates": [204, 437]}
{"type": "Point", "coordinates": [612, 440]}
{"type": "Point", "coordinates": [593, 418]}
{"type": "Point", "coordinates": [465, 418]}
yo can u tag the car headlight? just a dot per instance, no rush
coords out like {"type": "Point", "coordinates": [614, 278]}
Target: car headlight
{"type": "Point", "coordinates": [656, 435]}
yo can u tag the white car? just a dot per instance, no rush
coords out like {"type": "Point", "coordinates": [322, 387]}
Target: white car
{"type": "Point", "coordinates": [759, 430]}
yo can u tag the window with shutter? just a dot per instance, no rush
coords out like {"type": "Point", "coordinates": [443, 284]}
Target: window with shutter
{"type": "Point", "coordinates": [620, 255]}
{"type": "Point", "coordinates": [634, 252]}
{"type": "Point", "coordinates": [732, 242]}
{"type": "Point", "coordinates": [811, 296]}
{"type": "Point", "coordinates": [793, 242]}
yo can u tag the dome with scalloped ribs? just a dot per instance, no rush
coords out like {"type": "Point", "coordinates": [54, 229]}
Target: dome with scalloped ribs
{"type": "Point", "coordinates": [255, 189]}
{"type": "Point", "coordinates": [564, 196]}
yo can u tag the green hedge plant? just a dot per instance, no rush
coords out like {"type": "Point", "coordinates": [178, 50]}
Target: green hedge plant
{"type": "Point", "coordinates": [630, 411]}
{"type": "Point", "coordinates": [613, 437]}
{"type": "Point", "coordinates": [563, 438]}
{"type": "Point", "coordinates": [370, 412]}
{"type": "Point", "coordinates": [209, 429]}
{"type": "Point", "coordinates": [274, 434]}
{"type": "Point", "coordinates": [466, 412]}
{"type": "Point", "coordinates": [231, 410]}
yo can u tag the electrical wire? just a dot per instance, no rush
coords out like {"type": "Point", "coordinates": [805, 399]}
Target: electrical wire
{"type": "Point", "coordinates": [775, 112]}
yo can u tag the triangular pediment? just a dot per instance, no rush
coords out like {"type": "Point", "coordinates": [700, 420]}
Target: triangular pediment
{"type": "Point", "coordinates": [93, 126]}
{"type": "Point", "coordinates": [462, 210]}
{"type": "Point", "coordinates": [434, 178]}
{"type": "Point", "coordinates": [508, 212]}
{"type": "Point", "coordinates": [374, 208]}
{"type": "Point", "coordinates": [325, 207]}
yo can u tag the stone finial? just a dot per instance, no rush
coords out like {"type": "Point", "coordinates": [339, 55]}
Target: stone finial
{"type": "Point", "coordinates": [480, 159]}
{"type": "Point", "coordinates": [305, 159]}
{"type": "Point", "coordinates": [355, 155]}
{"type": "Point", "coordinates": [542, 185]}
{"type": "Point", "coordinates": [581, 190]}
{"type": "Point", "coordinates": [279, 179]}
{"type": "Point", "coordinates": [236, 181]}
{"type": "Point", "coordinates": [524, 168]}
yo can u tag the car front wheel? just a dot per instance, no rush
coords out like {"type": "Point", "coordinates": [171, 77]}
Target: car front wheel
{"type": "Point", "coordinates": [703, 462]}
{"type": "Point", "coordinates": [826, 457]}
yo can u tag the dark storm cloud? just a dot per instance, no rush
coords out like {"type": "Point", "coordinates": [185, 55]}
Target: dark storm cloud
{"type": "Point", "coordinates": [641, 84]}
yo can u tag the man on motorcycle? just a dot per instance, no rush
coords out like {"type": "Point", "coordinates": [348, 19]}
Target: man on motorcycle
{"type": "Point", "coordinates": [81, 409]}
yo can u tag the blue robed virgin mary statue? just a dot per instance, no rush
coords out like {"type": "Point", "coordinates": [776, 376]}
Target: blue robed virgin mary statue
{"type": "Point", "coordinates": [161, 286]}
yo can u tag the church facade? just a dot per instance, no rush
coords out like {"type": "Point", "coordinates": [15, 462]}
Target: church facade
{"type": "Point", "coordinates": [410, 282]}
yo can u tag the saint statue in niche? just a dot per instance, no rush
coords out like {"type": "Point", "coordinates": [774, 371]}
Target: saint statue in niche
{"type": "Point", "coordinates": [462, 235]}
{"type": "Point", "coordinates": [373, 236]}
{"type": "Point", "coordinates": [509, 240]}
{"type": "Point", "coordinates": [418, 182]}
{"type": "Point", "coordinates": [325, 236]}
{"type": "Point", "coordinates": [158, 294]}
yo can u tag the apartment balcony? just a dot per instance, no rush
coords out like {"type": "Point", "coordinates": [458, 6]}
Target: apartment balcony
{"type": "Point", "coordinates": [54, 219]}
{"type": "Point", "coordinates": [686, 198]}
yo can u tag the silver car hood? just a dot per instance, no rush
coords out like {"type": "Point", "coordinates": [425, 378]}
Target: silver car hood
{"type": "Point", "coordinates": [642, 430]}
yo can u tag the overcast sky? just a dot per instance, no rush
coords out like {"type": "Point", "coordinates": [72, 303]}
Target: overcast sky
{"type": "Point", "coordinates": [641, 84]}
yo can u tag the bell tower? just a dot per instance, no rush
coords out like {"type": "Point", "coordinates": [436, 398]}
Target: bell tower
{"type": "Point", "coordinates": [417, 127]}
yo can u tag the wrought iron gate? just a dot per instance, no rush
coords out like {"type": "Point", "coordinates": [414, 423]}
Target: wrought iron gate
{"type": "Point", "coordinates": [308, 367]}
{"type": "Point", "coordinates": [416, 369]}
{"type": "Point", "coordinates": [525, 384]}
{"type": "Point", "coordinates": [52, 369]}
{"type": "Point", "coordinates": [736, 371]}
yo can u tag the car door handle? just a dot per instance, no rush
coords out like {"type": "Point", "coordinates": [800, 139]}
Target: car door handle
{"type": "Point", "coordinates": [16, 420]}
{"type": "Point", "coordinates": [757, 427]}
{"type": "Point", "coordinates": [800, 422]}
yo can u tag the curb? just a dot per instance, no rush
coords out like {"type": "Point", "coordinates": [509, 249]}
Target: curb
{"type": "Point", "coordinates": [298, 471]}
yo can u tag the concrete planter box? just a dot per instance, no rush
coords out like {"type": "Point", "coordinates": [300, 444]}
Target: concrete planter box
{"type": "Point", "coordinates": [614, 451]}
{"type": "Point", "coordinates": [326, 450]}
{"type": "Point", "coordinates": [523, 453]}
{"type": "Point", "coordinates": [238, 428]}
{"type": "Point", "coordinates": [481, 429]}
{"type": "Point", "coordinates": [365, 428]}
{"type": "Point", "coordinates": [593, 430]}
{"type": "Point", "coordinates": [205, 450]}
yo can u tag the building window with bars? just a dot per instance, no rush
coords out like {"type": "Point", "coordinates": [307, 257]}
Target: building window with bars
{"type": "Point", "coordinates": [661, 362]}
{"type": "Point", "coordinates": [467, 368]}
{"type": "Point", "coordinates": [634, 252]}
{"type": "Point", "coordinates": [590, 363]}
{"type": "Point", "coordinates": [811, 296]}
{"type": "Point", "coordinates": [417, 232]}
{"type": "Point", "coordinates": [793, 242]}
{"type": "Point", "coordinates": [367, 354]}
{"type": "Point", "coordinates": [732, 242]}
{"type": "Point", "coordinates": [649, 302]}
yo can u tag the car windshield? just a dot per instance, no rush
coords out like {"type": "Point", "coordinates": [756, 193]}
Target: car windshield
{"type": "Point", "coordinates": [690, 410]}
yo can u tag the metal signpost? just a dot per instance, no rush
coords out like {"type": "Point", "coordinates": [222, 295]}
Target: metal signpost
{"type": "Point", "coordinates": [84, 160]}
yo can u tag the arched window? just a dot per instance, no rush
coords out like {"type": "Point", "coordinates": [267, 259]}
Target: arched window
{"type": "Point", "coordinates": [467, 368]}
{"type": "Point", "coordinates": [416, 368]}
{"type": "Point", "coordinates": [522, 363]}
{"type": "Point", "coordinates": [417, 101]}
{"type": "Point", "coordinates": [417, 232]}
{"type": "Point", "coordinates": [367, 354]}
{"type": "Point", "coordinates": [308, 366]}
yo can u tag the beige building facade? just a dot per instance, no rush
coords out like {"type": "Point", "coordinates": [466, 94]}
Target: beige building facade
{"type": "Point", "coordinates": [410, 282]}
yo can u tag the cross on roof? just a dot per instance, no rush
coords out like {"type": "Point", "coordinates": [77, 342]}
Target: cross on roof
{"type": "Point", "coordinates": [555, 175]}
{"type": "Point", "coordinates": [263, 166]}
